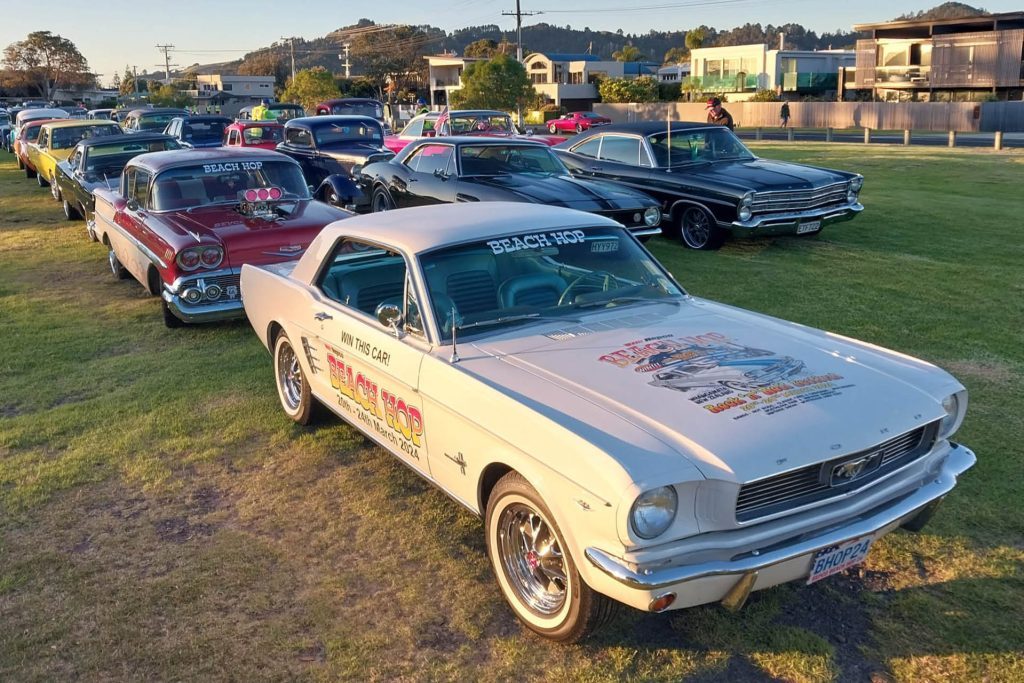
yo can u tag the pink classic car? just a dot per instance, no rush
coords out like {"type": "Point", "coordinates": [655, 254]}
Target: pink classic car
{"type": "Point", "coordinates": [577, 122]}
{"type": "Point", "coordinates": [478, 122]}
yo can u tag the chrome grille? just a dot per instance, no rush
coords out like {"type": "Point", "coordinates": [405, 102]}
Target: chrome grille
{"type": "Point", "coordinates": [814, 482]}
{"type": "Point", "coordinates": [223, 281]}
{"type": "Point", "coordinates": [800, 200]}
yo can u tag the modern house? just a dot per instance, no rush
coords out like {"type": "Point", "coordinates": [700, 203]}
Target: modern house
{"type": "Point", "coordinates": [947, 60]}
{"type": "Point", "coordinates": [209, 85]}
{"type": "Point", "coordinates": [741, 70]}
{"type": "Point", "coordinates": [568, 80]}
{"type": "Point", "coordinates": [674, 73]}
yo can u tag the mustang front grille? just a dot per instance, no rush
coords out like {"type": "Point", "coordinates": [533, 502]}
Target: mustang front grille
{"type": "Point", "coordinates": [800, 200]}
{"type": "Point", "coordinates": [839, 475]}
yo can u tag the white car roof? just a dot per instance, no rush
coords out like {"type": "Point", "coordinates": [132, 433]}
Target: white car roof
{"type": "Point", "coordinates": [420, 229]}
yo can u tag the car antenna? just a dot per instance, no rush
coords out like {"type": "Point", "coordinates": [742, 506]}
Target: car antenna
{"type": "Point", "coordinates": [455, 354]}
{"type": "Point", "coordinates": [107, 181]}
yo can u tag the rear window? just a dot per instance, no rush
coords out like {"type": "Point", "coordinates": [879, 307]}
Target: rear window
{"type": "Point", "coordinates": [257, 134]}
{"type": "Point", "coordinates": [348, 132]}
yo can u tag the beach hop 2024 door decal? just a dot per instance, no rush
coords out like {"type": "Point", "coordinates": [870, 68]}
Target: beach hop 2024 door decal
{"type": "Point", "coordinates": [723, 376]}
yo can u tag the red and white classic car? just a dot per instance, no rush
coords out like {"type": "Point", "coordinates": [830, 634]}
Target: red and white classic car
{"type": "Point", "coordinates": [262, 134]}
{"type": "Point", "coordinates": [183, 222]}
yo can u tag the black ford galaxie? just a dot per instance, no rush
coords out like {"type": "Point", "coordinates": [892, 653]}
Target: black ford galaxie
{"type": "Point", "coordinates": [709, 184]}
{"type": "Point", "coordinates": [97, 163]}
{"type": "Point", "coordinates": [459, 169]}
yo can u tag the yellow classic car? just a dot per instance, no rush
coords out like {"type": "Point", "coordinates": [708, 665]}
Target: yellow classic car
{"type": "Point", "coordinates": [56, 141]}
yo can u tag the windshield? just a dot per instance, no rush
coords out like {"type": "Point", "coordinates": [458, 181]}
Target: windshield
{"type": "Point", "coordinates": [348, 132]}
{"type": "Point", "coordinates": [706, 144]}
{"type": "Point", "coordinates": [205, 131]}
{"type": "Point", "coordinates": [216, 183]}
{"type": "Point", "coordinates": [470, 124]}
{"type": "Point", "coordinates": [65, 138]}
{"type": "Point", "coordinates": [372, 109]}
{"type": "Point", "coordinates": [287, 113]}
{"type": "Point", "coordinates": [538, 275]}
{"type": "Point", "coordinates": [109, 160]}
{"type": "Point", "coordinates": [156, 121]}
{"type": "Point", "coordinates": [255, 135]}
{"type": "Point", "coordinates": [504, 159]}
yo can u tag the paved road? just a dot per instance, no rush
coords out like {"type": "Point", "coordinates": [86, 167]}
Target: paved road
{"type": "Point", "coordinates": [1010, 140]}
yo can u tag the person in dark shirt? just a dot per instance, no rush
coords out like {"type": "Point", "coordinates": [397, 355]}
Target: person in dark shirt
{"type": "Point", "coordinates": [718, 114]}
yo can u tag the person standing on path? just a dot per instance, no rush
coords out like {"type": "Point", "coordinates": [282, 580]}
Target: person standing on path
{"type": "Point", "coordinates": [784, 114]}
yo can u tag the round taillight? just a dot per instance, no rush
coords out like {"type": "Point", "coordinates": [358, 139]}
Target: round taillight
{"type": "Point", "coordinates": [275, 193]}
{"type": "Point", "coordinates": [211, 257]}
{"type": "Point", "coordinates": [189, 259]}
{"type": "Point", "coordinates": [250, 195]}
{"type": "Point", "coordinates": [263, 193]}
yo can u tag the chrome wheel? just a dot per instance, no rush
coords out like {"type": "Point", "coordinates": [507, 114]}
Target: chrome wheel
{"type": "Point", "coordinates": [698, 229]}
{"type": "Point", "coordinates": [531, 557]}
{"type": "Point", "coordinates": [552, 129]}
{"type": "Point", "coordinates": [289, 377]}
{"type": "Point", "coordinates": [115, 265]}
{"type": "Point", "coordinates": [54, 190]}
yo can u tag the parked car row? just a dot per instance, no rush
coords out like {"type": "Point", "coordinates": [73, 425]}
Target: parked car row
{"type": "Point", "coordinates": [623, 441]}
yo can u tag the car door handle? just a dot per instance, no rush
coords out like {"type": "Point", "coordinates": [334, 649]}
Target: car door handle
{"type": "Point", "coordinates": [322, 315]}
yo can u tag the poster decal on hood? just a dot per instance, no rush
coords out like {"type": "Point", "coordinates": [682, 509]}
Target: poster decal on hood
{"type": "Point", "coordinates": [726, 377]}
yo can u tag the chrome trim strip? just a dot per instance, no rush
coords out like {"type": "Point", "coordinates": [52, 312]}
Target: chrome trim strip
{"type": "Point", "coordinates": [644, 231]}
{"type": "Point", "coordinates": [138, 245]}
{"type": "Point", "coordinates": [826, 213]}
{"type": "Point", "coordinates": [960, 460]}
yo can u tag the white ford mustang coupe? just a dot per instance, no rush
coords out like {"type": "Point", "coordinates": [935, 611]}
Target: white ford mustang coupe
{"type": "Point", "coordinates": [622, 440]}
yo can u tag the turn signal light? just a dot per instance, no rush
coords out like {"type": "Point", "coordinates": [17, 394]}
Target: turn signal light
{"type": "Point", "coordinates": [662, 603]}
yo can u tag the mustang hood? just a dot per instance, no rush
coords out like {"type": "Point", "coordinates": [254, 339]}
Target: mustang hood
{"type": "Point", "coordinates": [765, 175]}
{"type": "Point", "coordinates": [563, 191]}
{"type": "Point", "coordinates": [256, 240]}
{"type": "Point", "coordinates": [742, 396]}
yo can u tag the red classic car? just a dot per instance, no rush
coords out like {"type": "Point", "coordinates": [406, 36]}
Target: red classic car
{"type": "Point", "coordinates": [577, 122]}
{"type": "Point", "coordinates": [479, 122]}
{"type": "Point", "coordinates": [27, 134]}
{"type": "Point", "coordinates": [262, 134]}
{"type": "Point", "coordinates": [184, 222]}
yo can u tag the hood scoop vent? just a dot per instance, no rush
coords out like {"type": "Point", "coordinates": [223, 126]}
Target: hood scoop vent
{"type": "Point", "coordinates": [593, 327]}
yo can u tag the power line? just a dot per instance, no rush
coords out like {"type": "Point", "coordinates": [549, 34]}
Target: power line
{"type": "Point", "coordinates": [166, 49]}
{"type": "Point", "coordinates": [519, 14]}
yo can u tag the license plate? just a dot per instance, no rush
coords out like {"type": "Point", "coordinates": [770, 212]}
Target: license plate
{"type": "Point", "coordinates": [813, 226]}
{"type": "Point", "coordinates": [835, 559]}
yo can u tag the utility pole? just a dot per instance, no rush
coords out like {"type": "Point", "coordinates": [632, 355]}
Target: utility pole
{"type": "Point", "coordinates": [345, 55]}
{"type": "Point", "coordinates": [291, 44]}
{"type": "Point", "coordinates": [519, 14]}
{"type": "Point", "coordinates": [166, 49]}
{"type": "Point", "coordinates": [135, 75]}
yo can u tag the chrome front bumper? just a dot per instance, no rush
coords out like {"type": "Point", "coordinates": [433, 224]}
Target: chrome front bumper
{"type": "Point", "coordinates": [644, 231]}
{"type": "Point", "coordinates": [202, 312]}
{"type": "Point", "coordinates": [787, 223]}
{"type": "Point", "coordinates": [782, 560]}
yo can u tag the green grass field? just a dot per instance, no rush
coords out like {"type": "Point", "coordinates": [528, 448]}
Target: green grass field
{"type": "Point", "coordinates": [161, 519]}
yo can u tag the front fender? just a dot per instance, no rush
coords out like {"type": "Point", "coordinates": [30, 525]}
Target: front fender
{"type": "Point", "coordinates": [349, 194]}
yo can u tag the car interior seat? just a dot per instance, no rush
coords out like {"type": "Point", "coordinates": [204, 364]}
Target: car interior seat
{"type": "Point", "coordinates": [540, 290]}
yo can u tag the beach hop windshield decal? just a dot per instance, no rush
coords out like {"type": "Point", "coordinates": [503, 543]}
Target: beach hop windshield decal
{"type": "Point", "coordinates": [723, 376]}
{"type": "Point", "coordinates": [536, 240]}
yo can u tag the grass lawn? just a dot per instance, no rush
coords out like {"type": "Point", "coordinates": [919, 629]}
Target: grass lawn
{"type": "Point", "coordinates": [161, 519]}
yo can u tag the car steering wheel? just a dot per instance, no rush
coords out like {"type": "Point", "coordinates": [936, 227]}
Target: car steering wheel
{"type": "Point", "coordinates": [608, 282]}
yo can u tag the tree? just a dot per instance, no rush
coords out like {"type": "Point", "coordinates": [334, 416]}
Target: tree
{"type": "Point", "coordinates": [310, 87]}
{"type": "Point", "coordinates": [169, 96]}
{"type": "Point", "coordinates": [499, 83]}
{"type": "Point", "coordinates": [128, 83]}
{"type": "Point", "coordinates": [47, 62]}
{"type": "Point", "coordinates": [485, 47]}
{"type": "Point", "coordinates": [391, 57]}
{"type": "Point", "coordinates": [695, 38]}
{"type": "Point", "coordinates": [676, 55]}
{"type": "Point", "coordinates": [643, 89]}
{"type": "Point", "coordinates": [628, 53]}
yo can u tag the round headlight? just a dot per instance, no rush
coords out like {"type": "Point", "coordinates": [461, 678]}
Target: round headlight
{"type": "Point", "coordinates": [857, 183]}
{"type": "Point", "coordinates": [951, 404]}
{"type": "Point", "coordinates": [744, 213]}
{"type": "Point", "coordinates": [192, 295]}
{"type": "Point", "coordinates": [654, 511]}
{"type": "Point", "coordinates": [211, 257]}
{"type": "Point", "coordinates": [188, 259]}
{"type": "Point", "coordinates": [213, 292]}
{"type": "Point", "coordinates": [747, 199]}
{"type": "Point", "coordinates": [652, 216]}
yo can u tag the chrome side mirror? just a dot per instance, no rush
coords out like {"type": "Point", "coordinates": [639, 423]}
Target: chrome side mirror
{"type": "Point", "coordinates": [390, 315]}
{"type": "Point", "coordinates": [132, 204]}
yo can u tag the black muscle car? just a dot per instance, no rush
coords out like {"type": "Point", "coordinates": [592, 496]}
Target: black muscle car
{"type": "Point", "coordinates": [474, 169]}
{"type": "Point", "coordinates": [709, 184]}
{"type": "Point", "coordinates": [330, 149]}
{"type": "Point", "coordinates": [97, 163]}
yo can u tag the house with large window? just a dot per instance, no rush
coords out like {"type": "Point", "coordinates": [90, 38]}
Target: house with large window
{"type": "Point", "coordinates": [947, 60]}
{"type": "Point", "coordinates": [741, 70]}
{"type": "Point", "coordinates": [568, 80]}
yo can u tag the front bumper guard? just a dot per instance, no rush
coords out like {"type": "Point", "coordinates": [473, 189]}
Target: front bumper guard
{"type": "Point", "coordinates": [203, 312]}
{"type": "Point", "coordinates": [893, 512]}
{"type": "Point", "coordinates": [780, 222]}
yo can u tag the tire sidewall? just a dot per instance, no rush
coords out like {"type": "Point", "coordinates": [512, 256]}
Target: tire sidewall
{"type": "Point", "coordinates": [380, 197]}
{"type": "Point", "coordinates": [301, 412]}
{"type": "Point", "coordinates": [563, 623]}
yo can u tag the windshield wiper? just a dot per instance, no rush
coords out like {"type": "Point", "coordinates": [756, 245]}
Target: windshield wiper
{"type": "Point", "coordinates": [519, 317]}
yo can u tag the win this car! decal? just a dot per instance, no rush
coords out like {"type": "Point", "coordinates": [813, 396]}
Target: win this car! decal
{"type": "Point", "coordinates": [723, 376]}
{"type": "Point", "coordinates": [397, 422]}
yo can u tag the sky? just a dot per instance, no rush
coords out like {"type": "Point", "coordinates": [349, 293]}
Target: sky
{"type": "Point", "coordinates": [115, 33]}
